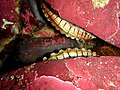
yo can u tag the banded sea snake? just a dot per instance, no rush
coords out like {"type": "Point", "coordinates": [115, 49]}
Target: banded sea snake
{"type": "Point", "coordinates": [74, 32]}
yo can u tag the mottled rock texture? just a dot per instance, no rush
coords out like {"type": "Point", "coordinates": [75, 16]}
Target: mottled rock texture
{"type": "Point", "coordinates": [84, 73]}
{"type": "Point", "coordinates": [7, 11]}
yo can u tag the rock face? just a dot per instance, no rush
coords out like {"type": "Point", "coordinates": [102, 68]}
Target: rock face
{"type": "Point", "coordinates": [101, 21]}
{"type": "Point", "coordinates": [91, 73]}
{"type": "Point", "coordinates": [7, 11]}
{"type": "Point", "coordinates": [34, 49]}
{"type": "Point", "coordinates": [7, 19]}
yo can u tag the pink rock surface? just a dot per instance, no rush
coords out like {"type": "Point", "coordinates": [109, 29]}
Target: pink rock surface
{"type": "Point", "coordinates": [91, 73]}
{"type": "Point", "coordinates": [51, 83]}
{"type": "Point", "coordinates": [103, 22]}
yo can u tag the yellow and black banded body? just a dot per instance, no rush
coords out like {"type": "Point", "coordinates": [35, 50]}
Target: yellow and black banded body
{"type": "Point", "coordinates": [65, 27]}
{"type": "Point", "coordinates": [71, 53]}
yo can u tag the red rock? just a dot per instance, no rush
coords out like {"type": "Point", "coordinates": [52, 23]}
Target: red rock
{"type": "Point", "coordinates": [51, 83]}
{"type": "Point", "coordinates": [31, 48]}
{"type": "Point", "coordinates": [91, 73]}
{"type": "Point", "coordinates": [103, 22]}
{"type": "Point", "coordinates": [7, 11]}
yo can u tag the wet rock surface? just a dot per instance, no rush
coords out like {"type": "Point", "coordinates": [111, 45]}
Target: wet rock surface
{"type": "Point", "coordinates": [91, 73]}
